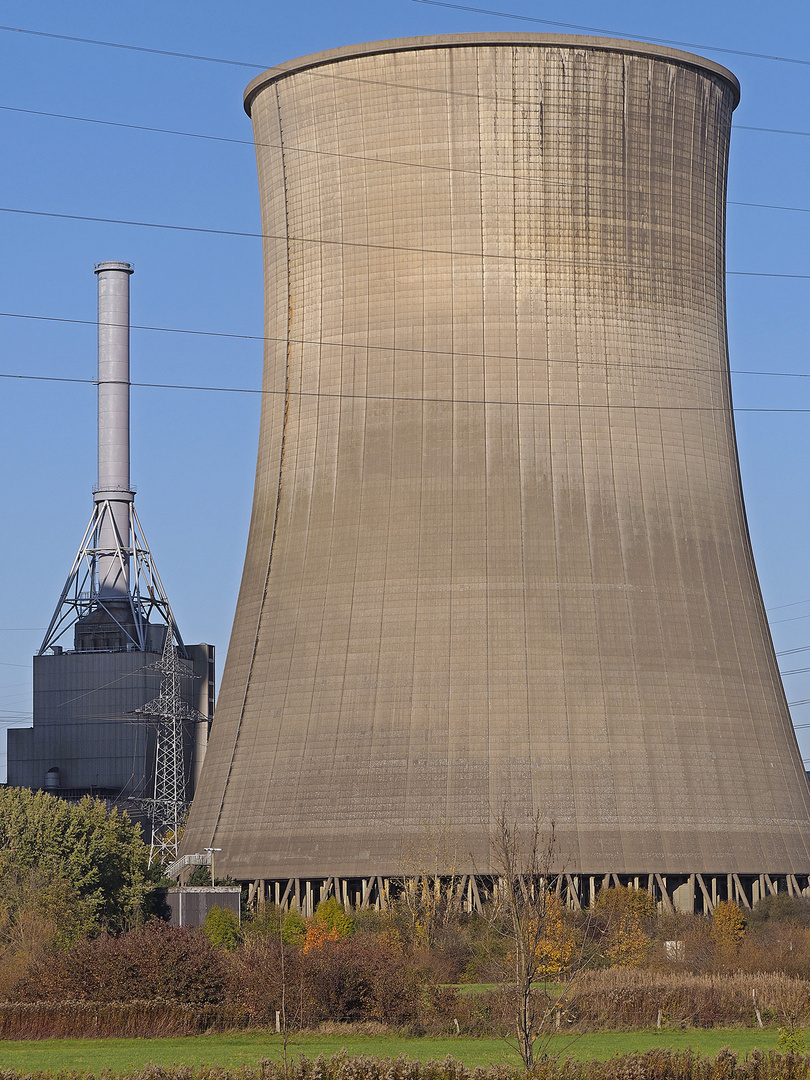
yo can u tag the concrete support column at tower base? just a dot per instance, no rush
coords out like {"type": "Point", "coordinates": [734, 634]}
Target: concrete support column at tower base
{"type": "Point", "coordinates": [673, 893]}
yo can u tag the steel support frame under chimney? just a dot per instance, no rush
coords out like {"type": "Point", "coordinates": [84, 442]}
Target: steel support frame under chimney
{"type": "Point", "coordinates": [104, 544]}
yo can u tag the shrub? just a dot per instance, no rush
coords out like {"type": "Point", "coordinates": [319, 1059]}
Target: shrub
{"type": "Point", "coordinates": [356, 979]}
{"type": "Point", "coordinates": [332, 915]}
{"type": "Point", "coordinates": [780, 909]}
{"type": "Point", "coordinates": [154, 961]}
{"type": "Point", "coordinates": [360, 978]}
{"type": "Point", "coordinates": [259, 973]}
{"type": "Point", "coordinates": [621, 998]}
{"type": "Point", "coordinates": [222, 928]}
{"type": "Point", "coordinates": [121, 1020]}
{"type": "Point", "coordinates": [656, 1064]}
{"type": "Point", "coordinates": [728, 928]}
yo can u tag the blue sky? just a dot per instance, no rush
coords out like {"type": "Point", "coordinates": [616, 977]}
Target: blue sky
{"type": "Point", "coordinates": [193, 452]}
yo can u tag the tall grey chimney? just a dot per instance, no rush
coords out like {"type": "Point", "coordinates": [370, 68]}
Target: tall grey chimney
{"type": "Point", "coordinates": [113, 425]}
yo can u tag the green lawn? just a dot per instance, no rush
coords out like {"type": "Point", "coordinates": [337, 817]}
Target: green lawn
{"type": "Point", "coordinates": [249, 1047]}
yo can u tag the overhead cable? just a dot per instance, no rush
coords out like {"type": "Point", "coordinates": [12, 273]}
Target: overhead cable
{"type": "Point", "coordinates": [365, 246]}
{"type": "Point", "coordinates": [616, 33]}
{"type": "Point", "coordinates": [131, 48]}
{"type": "Point", "coordinates": [417, 399]}
{"type": "Point", "coordinates": [421, 350]}
{"type": "Point", "coordinates": [434, 3]}
{"type": "Point", "coordinates": [372, 158]}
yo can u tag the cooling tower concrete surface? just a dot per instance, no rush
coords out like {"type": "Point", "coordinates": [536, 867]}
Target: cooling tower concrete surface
{"type": "Point", "coordinates": [498, 556]}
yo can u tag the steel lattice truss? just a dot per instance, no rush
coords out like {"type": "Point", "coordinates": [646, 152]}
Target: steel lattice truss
{"type": "Point", "coordinates": [80, 595]}
{"type": "Point", "coordinates": [168, 806]}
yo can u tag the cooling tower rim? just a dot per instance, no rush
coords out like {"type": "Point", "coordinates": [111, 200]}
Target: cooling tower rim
{"type": "Point", "coordinates": [449, 41]}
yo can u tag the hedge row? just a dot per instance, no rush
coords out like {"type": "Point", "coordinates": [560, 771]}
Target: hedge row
{"type": "Point", "coordinates": [333, 990]}
{"type": "Point", "coordinates": [653, 1065]}
{"type": "Point", "coordinates": [121, 1019]}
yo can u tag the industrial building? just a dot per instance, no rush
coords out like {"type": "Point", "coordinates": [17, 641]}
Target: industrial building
{"type": "Point", "coordinates": [100, 721]}
{"type": "Point", "coordinates": [498, 560]}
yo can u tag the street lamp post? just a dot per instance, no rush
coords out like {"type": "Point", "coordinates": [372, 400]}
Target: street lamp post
{"type": "Point", "coordinates": [210, 852]}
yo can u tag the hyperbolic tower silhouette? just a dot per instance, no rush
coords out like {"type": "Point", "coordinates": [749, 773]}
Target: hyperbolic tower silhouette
{"type": "Point", "coordinates": [498, 556]}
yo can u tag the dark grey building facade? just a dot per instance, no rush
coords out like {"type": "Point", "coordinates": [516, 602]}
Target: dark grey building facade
{"type": "Point", "coordinates": [88, 738]}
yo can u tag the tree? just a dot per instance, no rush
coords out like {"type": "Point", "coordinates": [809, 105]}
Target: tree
{"type": "Point", "coordinates": [429, 893]}
{"type": "Point", "coordinates": [728, 928]}
{"type": "Point", "coordinates": [540, 943]}
{"type": "Point", "coordinates": [329, 923]}
{"type": "Point", "coordinates": [222, 928]}
{"type": "Point", "coordinates": [625, 914]}
{"type": "Point", "coordinates": [94, 854]}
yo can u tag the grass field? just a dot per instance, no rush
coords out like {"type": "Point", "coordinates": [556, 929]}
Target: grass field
{"type": "Point", "coordinates": [249, 1047]}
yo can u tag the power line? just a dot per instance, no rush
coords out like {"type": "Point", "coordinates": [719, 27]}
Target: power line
{"type": "Point", "coordinates": [770, 206]}
{"type": "Point", "coordinates": [132, 48]}
{"type": "Point", "coordinates": [374, 159]}
{"type": "Point", "coordinates": [366, 246]}
{"type": "Point", "coordinates": [342, 395]}
{"type": "Point", "coordinates": [616, 33]}
{"type": "Point", "coordinates": [613, 364]}
{"type": "Point", "coordinates": [354, 157]}
{"type": "Point", "coordinates": [433, 3]}
{"type": "Point", "coordinates": [173, 330]}
{"type": "Point", "coordinates": [772, 131]}
{"type": "Point", "coordinates": [137, 127]}
{"type": "Point", "coordinates": [272, 70]}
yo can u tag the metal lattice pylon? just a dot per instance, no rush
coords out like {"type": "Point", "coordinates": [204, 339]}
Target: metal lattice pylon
{"type": "Point", "coordinates": [81, 594]}
{"type": "Point", "coordinates": [168, 806]}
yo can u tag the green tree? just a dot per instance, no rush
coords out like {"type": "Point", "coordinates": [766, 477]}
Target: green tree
{"type": "Point", "coordinates": [222, 928]}
{"type": "Point", "coordinates": [271, 922]}
{"type": "Point", "coordinates": [293, 928]}
{"type": "Point", "coordinates": [80, 851]}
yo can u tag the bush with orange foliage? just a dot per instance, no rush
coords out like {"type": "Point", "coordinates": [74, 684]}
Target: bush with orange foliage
{"type": "Point", "coordinates": [728, 929]}
{"type": "Point", "coordinates": [623, 917]}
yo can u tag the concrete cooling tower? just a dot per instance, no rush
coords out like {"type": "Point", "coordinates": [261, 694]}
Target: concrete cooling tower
{"type": "Point", "coordinates": [498, 560]}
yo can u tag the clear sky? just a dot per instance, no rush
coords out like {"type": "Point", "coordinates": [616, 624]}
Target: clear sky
{"type": "Point", "coordinates": [193, 452]}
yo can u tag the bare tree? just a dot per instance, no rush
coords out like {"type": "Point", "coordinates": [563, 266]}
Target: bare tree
{"type": "Point", "coordinates": [430, 886]}
{"type": "Point", "coordinates": [532, 916]}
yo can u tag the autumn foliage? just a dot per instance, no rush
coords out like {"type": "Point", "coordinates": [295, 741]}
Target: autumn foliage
{"type": "Point", "coordinates": [624, 916]}
{"type": "Point", "coordinates": [728, 928]}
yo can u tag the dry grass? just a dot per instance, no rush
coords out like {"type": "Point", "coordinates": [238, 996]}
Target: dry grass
{"type": "Point", "coordinates": [621, 998]}
{"type": "Point", "coordinates": [130, 1019]}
